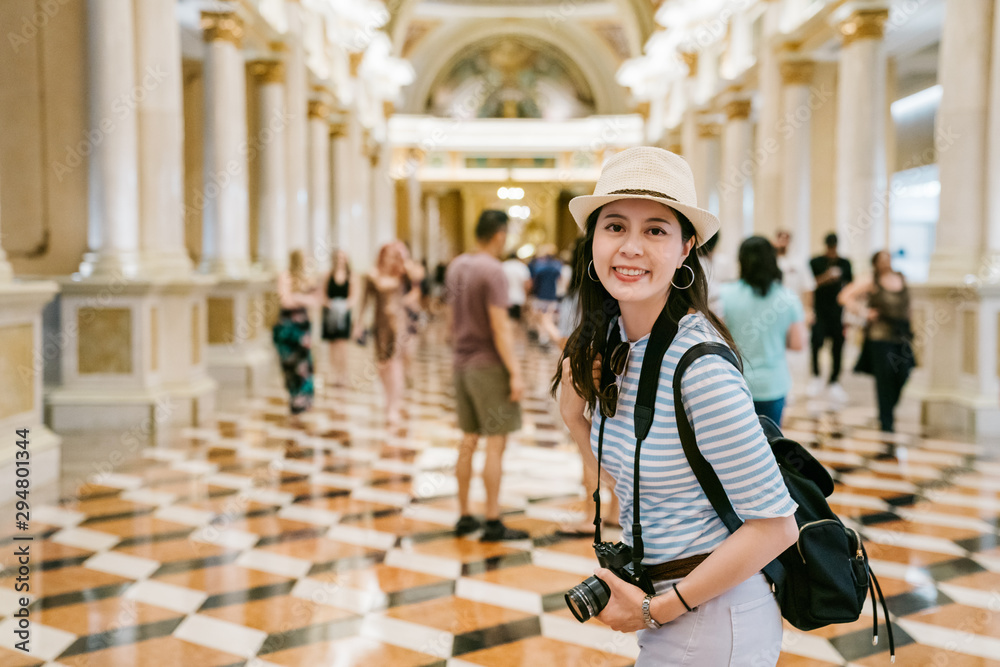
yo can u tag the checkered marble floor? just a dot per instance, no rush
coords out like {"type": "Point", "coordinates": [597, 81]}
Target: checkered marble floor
{"type": "Point", "coordinates": [254, 543]}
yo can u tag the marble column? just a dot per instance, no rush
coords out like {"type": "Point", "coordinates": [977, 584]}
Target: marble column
{"type": "Point", "coordinates": [296, 152]}
{"type": "Point", "coordinates": [707, 149]}
{"type": "Point", "coordinates": [737, 172]}
{"type": "Point", "coordinates": [21, 369]}
{"type": "Point", "coordinates": [689, 122]}
{"type": "Point", "coordinates": [861, 118]}
{"type": "Point", "coordinates": [130, 347]}
{"type": "Point", "coordinates": [320, 242]}
{"type": "Point", "coordinates": [383, 195]}
{"type": "Point", "coordinates": [418, 236]}
{"type": "Point", "coordinates": [961, 125]}
{"type": "Point", "coordinates": [956, 314]}
{"type": "Point", "coordinates": [113, 227]}
{"type": "Point", "coordinates": [341, 170]}
{"type": "Point", "coordinates": [161, 139]}
{"type": "Point", "coordinates": [796, 76]}
{"type": "Point", "coordinates": [767, 180]}
{"type": "Point", "coordinates": [239, 357]}
{"type": "Point", "coordinates": [226, 238]}
{"type": "Point", "coordinates": [432, 220]}
{"type": "Point", "coordinates": [272, 251]}
{"type": "Point", "coordinates": [992, 260]}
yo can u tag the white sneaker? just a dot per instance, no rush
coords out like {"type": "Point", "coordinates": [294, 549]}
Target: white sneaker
{"type": "Point", "coordinates": [837, 394]}
{"type": "Point", "coordinates": [814, 388]}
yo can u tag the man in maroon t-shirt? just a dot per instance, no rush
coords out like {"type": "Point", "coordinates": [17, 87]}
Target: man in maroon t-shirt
{"type": "Point", "coordinates": [488, 383]}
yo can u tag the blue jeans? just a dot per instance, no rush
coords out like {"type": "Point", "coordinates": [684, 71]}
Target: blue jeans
{"type": "Point", "coordinates": [772, 409]}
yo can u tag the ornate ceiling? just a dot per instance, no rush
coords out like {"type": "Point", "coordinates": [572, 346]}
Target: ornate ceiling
{"type": "Point", "coordinates": [576, 47]}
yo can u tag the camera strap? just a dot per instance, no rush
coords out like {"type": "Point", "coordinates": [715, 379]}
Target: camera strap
{"type": "Point", "coordinates": [662, 334]}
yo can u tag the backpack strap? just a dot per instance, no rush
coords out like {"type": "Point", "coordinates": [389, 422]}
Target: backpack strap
{"type": "Point", "coordinates": [663, 333]}
{"type": "Point", "coordinates": [702, 468]}
{"type": "Point", "coordinates": [703, 471]}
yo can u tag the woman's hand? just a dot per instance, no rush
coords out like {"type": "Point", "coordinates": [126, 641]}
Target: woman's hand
{"type": "Point", "coordinates": [624, 610]}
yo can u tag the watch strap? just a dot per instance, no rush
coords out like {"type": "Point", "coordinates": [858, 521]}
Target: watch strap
{"type": "Point", "coordinates": [646, 617]}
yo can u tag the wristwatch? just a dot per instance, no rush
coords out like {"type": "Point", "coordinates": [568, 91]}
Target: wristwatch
{"type": "Point", "coordinates": [649, 620]}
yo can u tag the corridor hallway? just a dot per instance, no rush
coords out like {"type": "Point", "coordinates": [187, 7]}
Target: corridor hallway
{"type": "Point", "coordinates": [252, 543]}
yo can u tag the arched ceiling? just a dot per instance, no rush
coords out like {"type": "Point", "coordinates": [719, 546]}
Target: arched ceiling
{"type": "Point", "coordinates": [586, 39]}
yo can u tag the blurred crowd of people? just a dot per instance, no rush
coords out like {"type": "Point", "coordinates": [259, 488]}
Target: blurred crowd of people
{"type": "Point", "coordinates": [768, 301]}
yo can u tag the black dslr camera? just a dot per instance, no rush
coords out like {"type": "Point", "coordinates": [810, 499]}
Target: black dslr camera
{"type": "Point", "coordinates": [587, 599]}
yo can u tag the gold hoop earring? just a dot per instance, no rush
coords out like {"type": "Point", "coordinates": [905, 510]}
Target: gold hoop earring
{"type": "Point", "coordinates": [589, 274]}
{"type": "Point", "coordinates": [684, 266]}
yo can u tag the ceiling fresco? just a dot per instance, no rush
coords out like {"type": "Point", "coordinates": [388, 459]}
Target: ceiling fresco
{"type": "Point", "coordinates": [511, 77]}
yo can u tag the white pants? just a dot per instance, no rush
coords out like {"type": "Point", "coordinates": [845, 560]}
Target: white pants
{"type": "Point", "coordinates": [741, 627]}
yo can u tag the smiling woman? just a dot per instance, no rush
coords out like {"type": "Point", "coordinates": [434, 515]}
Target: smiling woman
{"type": "Point", "coordinates": [699, 583]}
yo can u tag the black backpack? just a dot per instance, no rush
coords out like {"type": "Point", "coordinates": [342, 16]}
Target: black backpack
{"type": "Point", "coordinates": [824, 577]}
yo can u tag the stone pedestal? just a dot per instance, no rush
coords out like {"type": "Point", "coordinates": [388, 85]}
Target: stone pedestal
{"type": "Point", "coordinates": [240, 353]}
{"type": "Point", "coordinates": [957, 383]}
{"type": "Point", "coordinates": [21, 372]}
{"type": "Point", "coordinates": [131, 357]}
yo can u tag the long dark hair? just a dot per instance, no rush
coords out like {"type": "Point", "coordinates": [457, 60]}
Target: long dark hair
{"type": "Point", "coordinates": [759, 265]}
{"type": "Point", "coordinates": [597, 307]}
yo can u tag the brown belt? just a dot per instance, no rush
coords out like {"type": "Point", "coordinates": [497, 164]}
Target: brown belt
{"type": "Point", "coordinates": [675, 569]}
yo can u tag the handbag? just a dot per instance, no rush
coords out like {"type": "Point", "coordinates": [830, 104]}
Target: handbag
{"type": "Point", "coordinates": [865, 357]}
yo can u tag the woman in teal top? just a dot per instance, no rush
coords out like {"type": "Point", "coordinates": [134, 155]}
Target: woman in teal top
{"type": "Point", "coordinates": [765, 319]}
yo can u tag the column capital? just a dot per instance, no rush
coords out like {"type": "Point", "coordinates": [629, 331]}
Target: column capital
{"type": "Point", "coordinates": [709, 130]}
{"type": "Point", "coordinates": [642, 108]}
{"type": "Point", "coordinates": [388, 108]}
{"type": "Point", "coordinates": [267, 71]}
{"type": "Point", "coordinates": [690, 59]}
{"type": "Point", "coordinates": [738, 109]}
{"type": "Point", "coordinates": [338, 128]}
{"type": "Point", "coordinates": [222, 26]}
{"type": "Point", "coordinates": [797, 72]}
{"type": "Point", "coordinates": [675, 149]}
{"type": "Point", "coordinates": [318, 109]}
{"type": "Point", "coordinates": [864, 24]}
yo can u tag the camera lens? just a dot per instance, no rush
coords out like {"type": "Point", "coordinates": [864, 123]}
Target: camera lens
{"type": "Point", "coordinates": [587, 599]}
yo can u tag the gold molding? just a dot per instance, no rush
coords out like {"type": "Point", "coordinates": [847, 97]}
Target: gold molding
{"type": "Point", "coordinates": [709, 130]}
{"type": "Point", "coordinates": [17, 370]}
{"type": "Point", "coordinates": [690, 59]}
{"type": "Point", "coordinates": [267, 71]}
{"type": "Point", "coordinates": [221, 320]}
{"type": "Point", "coordinates": [970, 341]}
{"type": "Point", "coordinates": [319, 109]}
{"type": "Point", "coordinates": [388, 108]}
{"type": "Point", "coordinates": [104, 340]}
{"type": "Point", "coordinates": [738, 109]}
{"type": "Point", "coordinates": [222, 26]}
{"type": "Point", "coordinates": [355, 62]}
{"type": "Point", "coordinates": [338, 129]}
{"type": "Point", "coordinates": [642, 108]}
{"type": "Point", "coordinates": [675, 149]}
{"type": "Point", "coordinates": [864, 24]}
{"type": "Point", "coordinates": [797, 72]}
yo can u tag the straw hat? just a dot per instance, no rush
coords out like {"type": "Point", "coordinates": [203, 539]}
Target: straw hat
{"type": "Point", "coordinates": [646, 172]}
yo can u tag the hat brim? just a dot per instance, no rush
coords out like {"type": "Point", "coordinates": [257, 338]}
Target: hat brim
{"type": "Point", "coordinates": [705, 224]}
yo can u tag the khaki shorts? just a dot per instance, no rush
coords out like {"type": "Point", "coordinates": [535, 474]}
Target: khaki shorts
{"type": "Point", "coordinates": [482, 400]}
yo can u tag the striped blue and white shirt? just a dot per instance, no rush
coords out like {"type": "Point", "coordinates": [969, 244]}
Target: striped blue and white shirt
{"type": "Point", "coordinates": [677, 519]}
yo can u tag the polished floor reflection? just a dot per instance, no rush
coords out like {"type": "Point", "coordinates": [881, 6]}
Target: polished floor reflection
{"type": "Point", "coordinates": [259, 544]}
